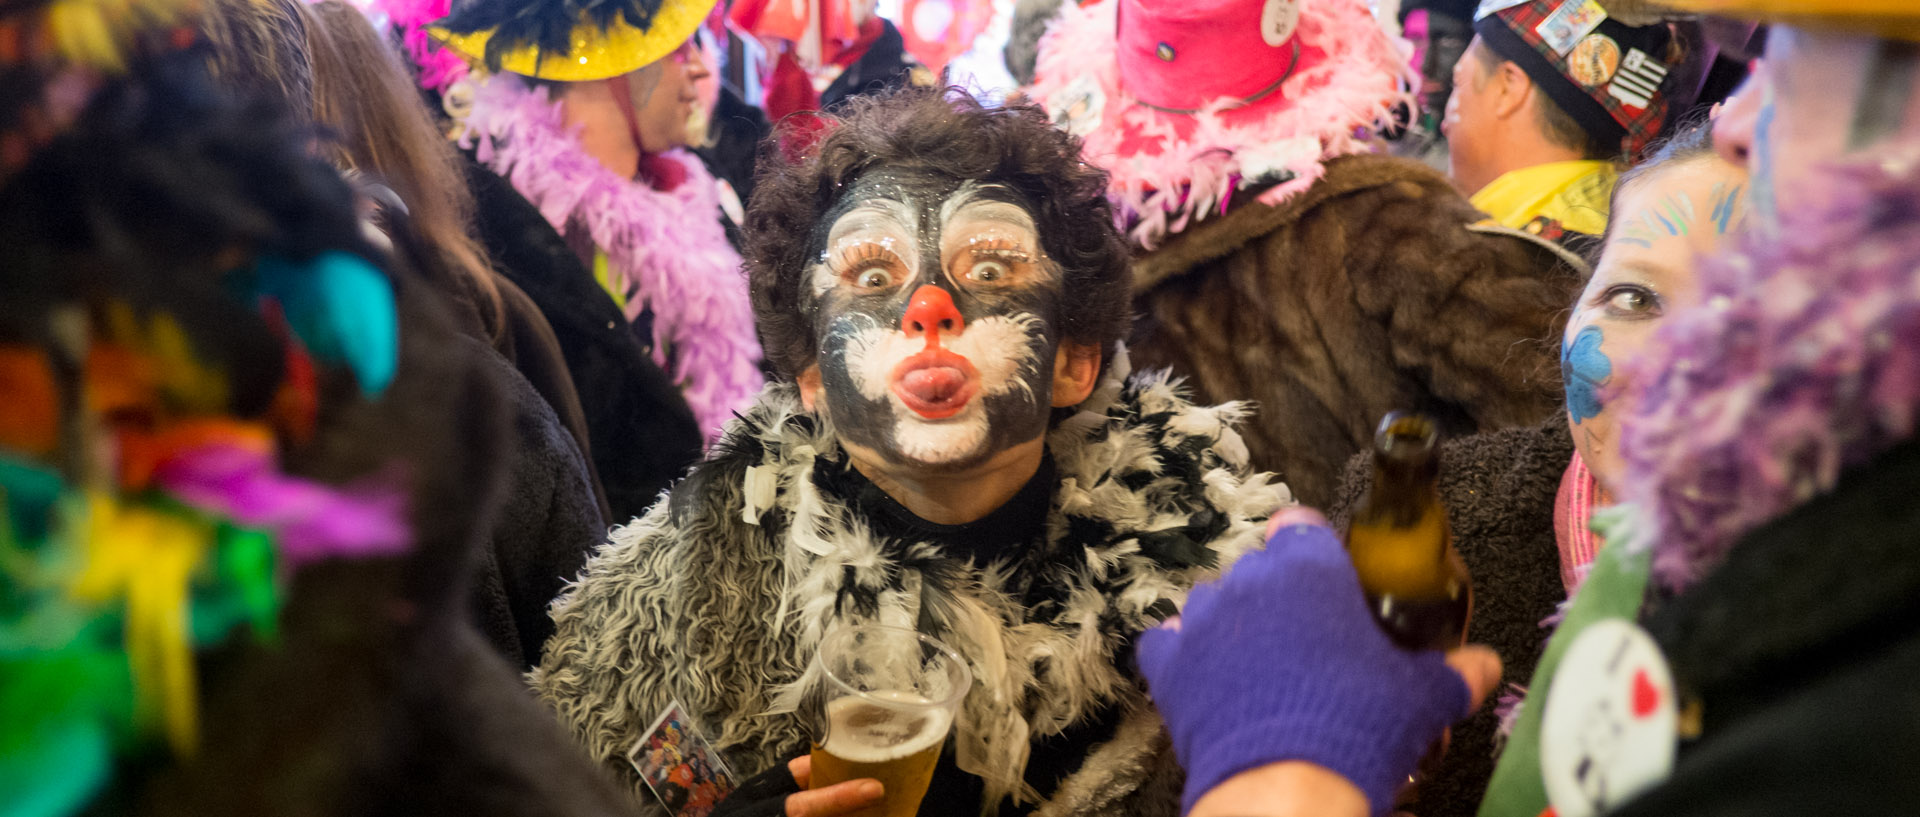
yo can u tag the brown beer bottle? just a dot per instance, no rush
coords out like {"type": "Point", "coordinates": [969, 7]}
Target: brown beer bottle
{"type": "Point", "coordinates": [1401, 545]}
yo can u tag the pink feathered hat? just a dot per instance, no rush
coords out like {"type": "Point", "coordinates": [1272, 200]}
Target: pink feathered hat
{"type": "Point", "coordinates": [1186, 102]}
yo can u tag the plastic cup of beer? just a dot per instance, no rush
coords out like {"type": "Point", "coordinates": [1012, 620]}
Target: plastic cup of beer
{"type": "Point", "coordinates": [889, 700]}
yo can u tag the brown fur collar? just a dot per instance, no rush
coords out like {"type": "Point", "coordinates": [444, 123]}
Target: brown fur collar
{"type": "Point", "coordinates": [1220, 237]}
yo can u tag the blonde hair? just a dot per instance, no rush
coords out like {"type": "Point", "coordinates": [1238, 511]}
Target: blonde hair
{"type": "Point", "coordinates": [382, 128]}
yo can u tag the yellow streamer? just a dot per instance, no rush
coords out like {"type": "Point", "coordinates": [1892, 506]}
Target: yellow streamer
{"type": "Point", "coordinates": [146, 558]}
{"type": "Point", "coordinates": [93, 32]}
{"type": "Point", "coordinates": [83, 34]}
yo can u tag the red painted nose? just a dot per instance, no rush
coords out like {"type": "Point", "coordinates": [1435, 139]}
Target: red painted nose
{"type": "Point", "coordinates": [930, 313]}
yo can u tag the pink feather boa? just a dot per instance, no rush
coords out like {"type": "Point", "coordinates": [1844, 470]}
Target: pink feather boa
{"type": "Point", "coordinates": [667, 246]}
{"type": "Point", "coordinates": [1331, 110]}
{"type": "Point", "coordinates": [439, 66]}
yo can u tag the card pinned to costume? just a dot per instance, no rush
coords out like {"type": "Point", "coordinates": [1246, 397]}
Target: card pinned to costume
{"type": "Point", "coordinates": [1611, 725]}
{"type": "Point", "coordinates": [684, 772]}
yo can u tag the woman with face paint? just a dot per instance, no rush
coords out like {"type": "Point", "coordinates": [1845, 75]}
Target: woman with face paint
{"type": "Point", "coordinates": [953, 444]}
{"type": "Point", "coordinates": [1529, 550]}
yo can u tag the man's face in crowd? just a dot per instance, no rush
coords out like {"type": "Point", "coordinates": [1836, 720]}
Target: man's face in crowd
{"type": "Point", "coordinates": [1470, 120]}
{"type": "Point", "coordinates": [935, 310]}
{"type": "Point", "coordinates": [663, 96]}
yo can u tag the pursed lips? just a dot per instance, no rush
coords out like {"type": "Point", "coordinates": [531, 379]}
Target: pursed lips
{"type": "Point", "coordinates": [986, 359]}
{"type": "Point", "coordinates": [935, 383]}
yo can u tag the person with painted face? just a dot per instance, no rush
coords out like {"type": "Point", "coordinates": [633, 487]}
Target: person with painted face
{"type": "Point", "coordinates": [955, 443]}
{"type": "Point", "coordinates": [585, 115]}
{"type": "Point", "coordinates": [1529, 550]}
{"type": "Point", "coordinates": [1765, 603]}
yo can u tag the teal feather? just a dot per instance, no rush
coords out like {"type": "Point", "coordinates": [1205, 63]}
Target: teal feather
{"type": "Point", "coordinates": [342, 308]}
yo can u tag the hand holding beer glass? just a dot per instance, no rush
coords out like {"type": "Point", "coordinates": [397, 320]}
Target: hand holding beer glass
{"type": "Point", "coordinates": [889, 699]}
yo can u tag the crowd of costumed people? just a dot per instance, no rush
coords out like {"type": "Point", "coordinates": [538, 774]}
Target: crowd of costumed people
{"type": "Point", "coordinates": [800, 408]}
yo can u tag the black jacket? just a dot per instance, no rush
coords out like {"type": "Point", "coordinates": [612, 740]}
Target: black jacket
{"type": "Point", "coordinates": [378, 697]}
{"type": "Point", "coordinates": [1803, 650]}
{"type": "Point", "coordinates": [641, 434]}
{"type": "Point", "coordinates": [544, 525]}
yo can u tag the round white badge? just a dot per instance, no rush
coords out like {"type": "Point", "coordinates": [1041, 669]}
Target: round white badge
{"type": "Point", "coordinates": [1278, 20]}
{"type": "Point", "coordinates": [1611, 722]}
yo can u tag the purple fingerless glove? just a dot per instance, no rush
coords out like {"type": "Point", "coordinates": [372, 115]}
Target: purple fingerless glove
{"type": "Point", "coordinates": [1280, 660]}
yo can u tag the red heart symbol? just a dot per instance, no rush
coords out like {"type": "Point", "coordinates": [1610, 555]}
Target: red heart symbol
{"type": "Point", "coordinates": [1646, 696]}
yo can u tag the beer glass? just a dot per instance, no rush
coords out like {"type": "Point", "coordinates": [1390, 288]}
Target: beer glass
{"type": "Point", "coordinates": [888, 699]}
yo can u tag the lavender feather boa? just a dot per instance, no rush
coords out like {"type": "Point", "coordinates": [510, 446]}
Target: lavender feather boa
{"type": "Point", "coordinates": [1803, 363]}
{"type": "Point", "coordinates": [667, 246]}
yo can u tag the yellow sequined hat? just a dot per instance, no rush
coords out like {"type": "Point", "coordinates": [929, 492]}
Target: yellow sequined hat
{"type": "Point", "coordinates": [571, 41]}
{"type": "Point", "coordinates": [1885, 18]}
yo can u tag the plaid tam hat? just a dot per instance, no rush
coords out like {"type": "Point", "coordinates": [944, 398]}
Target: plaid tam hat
{"type": "Point", "coordinates": [1607, 75]}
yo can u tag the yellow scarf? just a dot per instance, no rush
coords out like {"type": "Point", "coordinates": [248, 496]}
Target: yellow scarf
{"type": "Point", "coordinates": [1573, 194]}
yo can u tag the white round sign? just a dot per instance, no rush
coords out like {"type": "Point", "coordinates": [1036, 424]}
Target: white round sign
{"type": "Point", "coordinates": [1611, 722]}
{"type": "Point", "coordinates": [1278, 20]}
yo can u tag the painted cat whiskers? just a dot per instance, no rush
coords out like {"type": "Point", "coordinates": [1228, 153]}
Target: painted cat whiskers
{"type": "Point", "coordinates": [1004, 349]}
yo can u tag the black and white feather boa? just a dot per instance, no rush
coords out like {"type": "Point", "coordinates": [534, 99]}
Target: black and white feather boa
{"type": "Point", "coordinates": [718, 597]}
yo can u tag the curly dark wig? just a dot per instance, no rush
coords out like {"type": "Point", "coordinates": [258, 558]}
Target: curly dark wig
{"type": "Point", "coordinates": [950, 133]}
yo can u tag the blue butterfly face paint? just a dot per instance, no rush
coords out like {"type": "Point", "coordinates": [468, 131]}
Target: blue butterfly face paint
{"type": "Point", "coordinates": [1665, 220]}
{"type": "Point", "coordinates": [1587, 370]}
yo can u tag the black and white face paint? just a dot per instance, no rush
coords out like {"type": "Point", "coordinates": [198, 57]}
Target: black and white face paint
{"type": "Point", "coordinates": [935, 309]}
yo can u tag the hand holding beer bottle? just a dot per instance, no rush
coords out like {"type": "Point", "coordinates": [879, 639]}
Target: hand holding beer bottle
{"type": "Point", "coordinates": [890, 698]}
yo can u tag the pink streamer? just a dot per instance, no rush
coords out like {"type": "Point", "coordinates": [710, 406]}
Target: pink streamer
{"type": "Point", "coordinates": [310, 522]}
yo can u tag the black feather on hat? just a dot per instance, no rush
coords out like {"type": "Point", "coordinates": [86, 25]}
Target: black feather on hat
{"type": "Point", "coordinates": [545, 25]}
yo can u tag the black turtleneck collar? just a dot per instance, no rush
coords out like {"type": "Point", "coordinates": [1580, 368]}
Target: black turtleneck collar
{"type": "Point", "coordinates": [1016, 524]}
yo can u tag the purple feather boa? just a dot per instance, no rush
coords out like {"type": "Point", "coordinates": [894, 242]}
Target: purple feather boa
{"type": "Point", "coordinates": [667, 246]}
{"type": "Point", "coordinates": [309, 521]}
{"type": "Point", "coordinates": [1805, 362]}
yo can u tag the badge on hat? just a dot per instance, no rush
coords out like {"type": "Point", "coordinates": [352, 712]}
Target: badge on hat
{"type": "Point", "coordinates": [1278, 20]}
{"type": "Point", "coordinates": [1638, 80]}
{"type": "Point", "coordinates": [1593, 61]}
{"type": "Point", "coordinates": [1611, 723]}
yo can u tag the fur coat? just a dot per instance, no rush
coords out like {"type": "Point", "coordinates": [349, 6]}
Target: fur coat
{"type": "Point", "coordinates": [1373, 290]}
{"type": "Point", "coordinates": [719, 596]}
